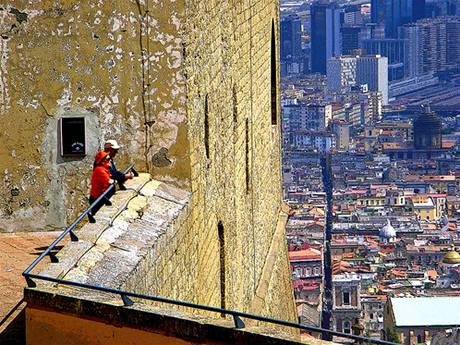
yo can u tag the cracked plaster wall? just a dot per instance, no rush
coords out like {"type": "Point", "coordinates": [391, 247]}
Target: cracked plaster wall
{"type": "Point", "coordinates": [131, 66]}
{"type": "Point", "coordinates": [117, 63]}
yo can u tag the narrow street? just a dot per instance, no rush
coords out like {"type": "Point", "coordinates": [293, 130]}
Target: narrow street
{"type": "Point", "coordinates": [327, 262]}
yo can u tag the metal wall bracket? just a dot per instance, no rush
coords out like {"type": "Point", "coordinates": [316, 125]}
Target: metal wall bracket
{"type": "Point", "coordinates": [127, 301]}
{"type": "Point", "coordinates": [30, 282]}
{"type": "Point", "coordinates": [238, 322]}
{"type": "Point", "coordinates": [54, 258]}
{"type": "Point", "coordinates": [73, 237]}
{"type": "Point", "coordinates": [91, 218]}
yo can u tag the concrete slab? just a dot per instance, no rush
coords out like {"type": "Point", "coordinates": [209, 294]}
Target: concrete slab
{"type": "Point", "coordinates": [18, 251]}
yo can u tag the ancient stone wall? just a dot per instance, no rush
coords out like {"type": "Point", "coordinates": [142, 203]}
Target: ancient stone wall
{"type": "Point", "coordinates": [189, 88]}
{"type": "Point", "coordinates": [236, 175]}
{"type": "Point", "coordinates": [114, 62]}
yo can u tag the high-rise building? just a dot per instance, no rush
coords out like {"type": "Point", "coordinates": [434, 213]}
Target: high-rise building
{"type": "Point", "coordinates": [325, 34]}
{"type": "Point", "coordinates": [392, 13]}
{"type": "Point", "coordinates": [373, 71]}
{"type": "Point", "coordinates": [412, 33]}
{"type": "Point", "coordinates": [396, 50]}
{"type": "Point", "coordinates": [346, 71]}
{"type": "Point", "coordinates": [418, 9]}
{"type": "Point", "coordinates": [352, 15]}
{"type": "Point", "coordinates": [434, 44]}
{"type": "Point", "coordinates": [350, 39]}
{"type": "Point", "coordinates": [375, 106]}
{"type": "Point", "coordinates": [307, 116]}
{"type": "Point", "coordinates": [341, 73]}
{"type": "Point", "coordinates": [290, 37]}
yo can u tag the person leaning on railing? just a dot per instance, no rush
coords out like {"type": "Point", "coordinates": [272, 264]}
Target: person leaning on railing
{"type": "Point", "coordinates": [100, 181]}
{"type": "Point", "coordinates": [112, 147]}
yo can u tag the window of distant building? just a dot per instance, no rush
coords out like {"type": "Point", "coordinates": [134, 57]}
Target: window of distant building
{"type": "Point", "coordinates": [346, 298]}
{"type": "Point", "coordinates": [298, 271]}
{"type": "Point", "coordinates": [347, 327]}
{"type": "Point", "coordinates": [308, 271]}
{"type": "Point", "coordinates": [316, 271]}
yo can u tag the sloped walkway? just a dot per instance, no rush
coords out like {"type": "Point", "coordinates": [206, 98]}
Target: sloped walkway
{"type": "Point", "coordinates": [109, 250]}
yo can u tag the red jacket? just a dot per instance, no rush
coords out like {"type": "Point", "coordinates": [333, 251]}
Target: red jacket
{"type": "Point", "coordinates": [100, 179]}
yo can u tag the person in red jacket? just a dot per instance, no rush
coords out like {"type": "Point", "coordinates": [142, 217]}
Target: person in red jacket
{"type": "Point", "coordinates": [100, 181]}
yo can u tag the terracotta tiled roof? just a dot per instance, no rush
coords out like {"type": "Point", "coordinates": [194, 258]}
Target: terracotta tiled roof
{"type": "Point", "coordinates": [305, 255]}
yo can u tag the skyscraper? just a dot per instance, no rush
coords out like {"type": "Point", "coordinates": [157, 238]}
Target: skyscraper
{"type": "Point", "coordinates": [434, 44]}
{"type": "Point", "coordinates": [341, 73]}
{"type": "Point", "coordinates": [373, 71]}
{"type": "Point", "coordinates": [290, 36]}
{"type": "Point", "coordinates": [392, 13]}
{"type": "Point", "coordinates": [396, 50]}
{"type": "Point", "coordinates": [350, 39]}
{"type": "Point", "coordinates": [413, 34]}
{"type": "Point", "coordinates": [418, 9]}
{"type": "Point", "coordinates": [325, 34]}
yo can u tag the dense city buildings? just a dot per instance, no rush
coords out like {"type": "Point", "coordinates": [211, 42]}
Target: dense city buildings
{"type": "Point", "coordinates": [375, 194]}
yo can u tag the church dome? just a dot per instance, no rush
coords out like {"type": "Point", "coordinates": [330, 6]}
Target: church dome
{"type": "Point", "coordinates": [387, 231]}
{"type": "Point", "coordinates": [427, 130]}
{"type": "Point", "coordinates": [451, 258]}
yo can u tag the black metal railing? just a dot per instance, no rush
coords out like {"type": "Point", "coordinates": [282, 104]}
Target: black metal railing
{"type": "Point", "coordinates": [70, 230]}
{"type": "Point", "coordinates": [127, 301]}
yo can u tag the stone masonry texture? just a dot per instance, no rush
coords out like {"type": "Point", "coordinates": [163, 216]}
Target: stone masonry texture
{"type": "Point", "coordinates": [185, 87]}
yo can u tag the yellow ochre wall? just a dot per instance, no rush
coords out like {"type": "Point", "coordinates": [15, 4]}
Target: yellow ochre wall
{"type": "Point", "coordinates": [54, 328]}
{"type": "Point", "coordinates": [146, 73]}
{"type": "Point", "coordinates": [86, 58]}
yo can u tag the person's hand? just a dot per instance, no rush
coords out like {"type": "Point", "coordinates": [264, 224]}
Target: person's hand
{"type": "Point", "coordinates": [111, 181]}
{"type": "Point", "coordinates": [129, 175]}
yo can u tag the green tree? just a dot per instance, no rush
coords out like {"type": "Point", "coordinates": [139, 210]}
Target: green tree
{"type": "Point", "coordinates": [393, 336]}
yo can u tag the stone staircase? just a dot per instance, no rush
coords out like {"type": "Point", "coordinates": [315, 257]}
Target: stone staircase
{"type": "Point", "coordinates": [124, 234]}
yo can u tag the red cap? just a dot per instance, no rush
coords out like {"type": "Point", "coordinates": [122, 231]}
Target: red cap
{"type": "Point", "coordinates": [100, 156]}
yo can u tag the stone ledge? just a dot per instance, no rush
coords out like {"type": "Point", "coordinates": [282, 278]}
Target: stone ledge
{"type": "Point", "coordinates": [140, 219]}
{"type": "Point", "coordinates": [171, 322]}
